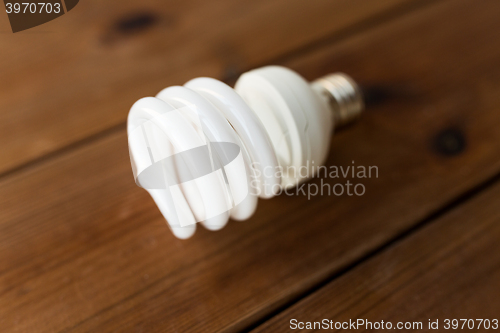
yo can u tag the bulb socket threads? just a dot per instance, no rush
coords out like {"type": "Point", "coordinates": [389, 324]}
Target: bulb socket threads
{"type": "Point", "coordinates": [343, 95]}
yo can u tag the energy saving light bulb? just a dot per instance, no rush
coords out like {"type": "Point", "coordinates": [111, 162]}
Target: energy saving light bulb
{"type": "Point", "coordinates": [205, 151]}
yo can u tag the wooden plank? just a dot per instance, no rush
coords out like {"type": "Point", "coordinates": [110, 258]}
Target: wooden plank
{"type": "Point", "coordinates": [83, 249]}
{"type": "Point", "coordinates": [450, 269]}
{"type": "Point", "coordinates": [80, 74]}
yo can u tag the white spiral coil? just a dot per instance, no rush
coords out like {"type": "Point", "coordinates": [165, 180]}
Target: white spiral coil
{"type": "Point", "coordinates": [182, 144]}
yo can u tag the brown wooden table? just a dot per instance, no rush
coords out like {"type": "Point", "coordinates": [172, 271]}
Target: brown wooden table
{"type": "Point", "coordinates": [83, 249]}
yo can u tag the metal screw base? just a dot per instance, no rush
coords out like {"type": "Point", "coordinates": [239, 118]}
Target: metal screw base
{"type": "Point", "coordinates": [343, 95]}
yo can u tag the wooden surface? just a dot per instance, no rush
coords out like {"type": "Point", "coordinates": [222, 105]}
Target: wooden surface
{"type": "Point", "coordinates": [82, 249]}
{"type": "Point", "coordinates": [447, 270]}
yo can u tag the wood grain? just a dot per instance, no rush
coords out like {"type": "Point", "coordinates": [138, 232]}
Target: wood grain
{"type": "Point", "coordinates": [450, 269]}
{"type": "Point", "coordinates": [80, 74]}
{"type": "Point", "coordinates": [83, 249]}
